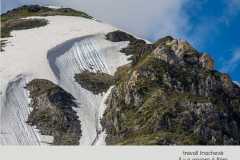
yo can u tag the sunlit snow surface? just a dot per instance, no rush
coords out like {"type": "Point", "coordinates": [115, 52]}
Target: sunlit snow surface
{"type": "Point", "coordinates": [14, 113]}
{"type": "Point", "coordinates": [66, 46]}
{"type": "Point", "coordinates": [237, 83]}
{"type": "Point", "coordinates": [92, 53]}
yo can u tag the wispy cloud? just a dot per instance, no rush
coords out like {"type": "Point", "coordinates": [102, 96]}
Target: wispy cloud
{"type": "Point", "coordinates": [210, 26]}
{"type": "Point", "coordinates": [233, 6]}
{"type": "Point", "coordinates": [233, 63]}
{"type": "Point", "coordinates": [232, 9]}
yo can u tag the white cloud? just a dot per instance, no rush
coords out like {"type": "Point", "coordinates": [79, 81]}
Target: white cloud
{"type": "Point", "coordinates": [148, 19]}
{"type": "Point", "coordinates": [233, 62]}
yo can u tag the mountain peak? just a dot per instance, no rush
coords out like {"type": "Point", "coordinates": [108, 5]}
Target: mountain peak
{"type": "Point", "coordinates": [84, 79]}
{"type": "Point", "coordinates": [171, 94]}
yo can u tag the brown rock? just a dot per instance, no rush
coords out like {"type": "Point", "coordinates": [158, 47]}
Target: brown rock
{"type": "Point", "coordinates": [226, 81]}
{"type": "Point", "coordinates": [206, 62]}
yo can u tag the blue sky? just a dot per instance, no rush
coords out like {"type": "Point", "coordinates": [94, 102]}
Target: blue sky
{"type": "Point", "coordinates": [212, 26]}
{"type": "Point", "coordinates": [216, 30]}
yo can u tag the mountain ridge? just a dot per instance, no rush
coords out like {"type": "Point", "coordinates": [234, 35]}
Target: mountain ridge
{"type": "Point", "coordinates": [162, 93]}
{"type": "Point", "coordinates": [185, 100]}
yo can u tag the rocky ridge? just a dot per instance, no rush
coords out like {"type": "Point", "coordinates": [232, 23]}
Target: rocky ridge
{"type": "Point", "coordinates": [170, 95]}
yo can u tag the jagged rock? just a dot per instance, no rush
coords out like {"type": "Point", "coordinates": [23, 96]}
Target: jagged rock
{"type": "Point", "coordinates": [136, 48]}
{"type": "Point", "coordinates": [175, 51]}
{"type": "Point", "coordinates": [53, 112]}
{"type": "Point", "coordinates": [166, 55]}
{"type": "Point", "coordinates": [118, 36]}
{"type": "Point", "coordinates": [206, 62]}
{"type": "Point", "coordinates": [163, 41]}
{"type": "Point", "coordinates": [181, 48]}
{"type": "Point", "coordinates": [172, 95]}
{"type": "Point", "coordinates": [227, 82]}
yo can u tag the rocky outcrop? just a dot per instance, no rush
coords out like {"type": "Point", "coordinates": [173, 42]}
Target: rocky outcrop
{"type": "Point", "coordinates": [172, 95]}
{"type": "Point", "coordinates": [137, 48]}
{"type": "Point", "coordinates": [206, 62]}
{"type": "Point", "coordinates": [12, 19]}
{"type": "Point", "coordinates": [52, 112]}
{"type": "Point", "coordinates": [21, 24]}
{"type": "Point", "coordinates": [37, 10]}
{"type": "Point", "coordinates": [95, 82]}
{"type": "Point", "coordinates": [118, 36]}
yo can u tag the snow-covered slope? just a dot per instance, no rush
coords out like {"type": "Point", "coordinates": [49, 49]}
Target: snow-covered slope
{"type": "Point", "coordinates": [66, 46]}
{"type": "Point", "coordinates": [237, 83]}
{"type": "Point", "coordinates": [14, 113]}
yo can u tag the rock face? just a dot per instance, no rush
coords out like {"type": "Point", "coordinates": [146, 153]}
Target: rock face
{"type": "Point", "coordinates": [206, 62]}
{"type": "Point", "coordinates": [53, 112]}
{"type": "Point", "coordinates": [96, 82]}
{"type": "Point", "coordinates": [169, 95]}
{"type": "Point", "coordinates": [136, 48]}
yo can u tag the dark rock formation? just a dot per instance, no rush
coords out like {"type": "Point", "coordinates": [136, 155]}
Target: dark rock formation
{"type": "Point", "coordinates": [137, 48]}
{"type": "Point", "coordinates": [118, 36]}
{"type": "Point", "coordinates": [37, 10]}
{"type": "Point", "coordinates": [53, 112]}
{"type": "Point", "coordinates": [171, 94]}
{"type": "Point", "coordinates": [95, 82]}
{"type": "Point", "coordinates": [21, 24]}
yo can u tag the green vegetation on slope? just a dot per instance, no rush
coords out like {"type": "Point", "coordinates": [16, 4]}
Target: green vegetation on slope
{"type": "Point", "coordinates": [171, 95]}
{"type": "Point", "coordinates": [21, 24]}
{"type": "Point", "coordinates": [12, 20]}
{"type": "Point", "coordinates": [36, 10]}
{"type": "Point", "coordinates": [95, 82]}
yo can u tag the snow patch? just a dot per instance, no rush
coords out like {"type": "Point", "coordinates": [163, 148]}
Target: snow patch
{"type": "Point", "coordinates": [101, 133]}
{"type": "Point", "coordinates": [237, 83]}
{"type": "Point", "coordinates": [53, 7]}
{"type": "Point", "coordinates": [14, 114]}
{"type": "Point", "coordinates": [92, 53]}
{"type": "Point", "coordinates": [36, 53]}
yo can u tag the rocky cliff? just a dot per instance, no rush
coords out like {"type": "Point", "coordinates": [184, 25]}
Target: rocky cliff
{"type": "Point", "coordinates": [52, 112]}
{"type": "Point", "coordinates": [170, 94]}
